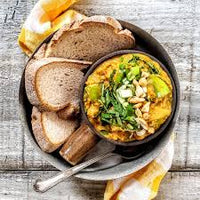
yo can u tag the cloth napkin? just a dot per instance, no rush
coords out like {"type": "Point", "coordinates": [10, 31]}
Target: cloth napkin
{"type": "Point", "coordinates": [46, 17]}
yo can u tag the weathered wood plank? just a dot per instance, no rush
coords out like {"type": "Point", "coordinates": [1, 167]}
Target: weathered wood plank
{"type": "Point", "coordinates": [173, 23]}
{"type": "Point", "coordinates": [193, 154]}
{"type": "Point", "coordinates": [181, 186]}
{"type": "Point", "coordinates": [12, 14]}
{"type": "Point", "coordinates": [18, 185]}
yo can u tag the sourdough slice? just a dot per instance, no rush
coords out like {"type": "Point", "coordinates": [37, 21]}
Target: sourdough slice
{"type": "Point", "coordinates": [90, 39]}
{"type": "Point", "coordinates": [40, 52]}
{"type": "Point", "coordinates": [49, 130]}
{"type": "Point", "coordinates": [38, 55]}
{"type": "Point", "coordinates": [53, 83]}
{"type": "Point", "coordinates": [70, 111]}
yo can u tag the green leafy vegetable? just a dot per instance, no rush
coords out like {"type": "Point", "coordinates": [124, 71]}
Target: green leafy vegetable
{"type": "Point", "coordinates": [106, 115]}
{"type": "Point", "coordinates": [119, 122]}
{"type": "Point", "coordinates": [116, 110]}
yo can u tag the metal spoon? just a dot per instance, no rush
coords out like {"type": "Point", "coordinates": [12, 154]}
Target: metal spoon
{"type": "Point", "coordinates": [43, 186]}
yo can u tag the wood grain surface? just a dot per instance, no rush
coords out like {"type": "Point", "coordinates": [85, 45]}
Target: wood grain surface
{"type": "Point", "coordinates": [176, 25]}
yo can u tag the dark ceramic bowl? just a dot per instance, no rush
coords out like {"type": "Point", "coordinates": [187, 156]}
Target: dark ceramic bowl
{"type": "Point", "coordinates": [145, 43]}
{"type": "Point", "coordinates": [135, 142]}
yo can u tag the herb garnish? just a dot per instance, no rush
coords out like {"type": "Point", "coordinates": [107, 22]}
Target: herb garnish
{"type": "Point", "coordinates": [115, 109]}
{"type": "Point", "coordinates": [152, 68]}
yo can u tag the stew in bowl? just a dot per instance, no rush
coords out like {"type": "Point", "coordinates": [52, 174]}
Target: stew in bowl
{"type": "Point", "coordinates": [128, 97]}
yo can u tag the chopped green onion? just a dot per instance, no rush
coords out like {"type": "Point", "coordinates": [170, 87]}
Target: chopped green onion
{"type": "Point", "coordinates": [135, 71]}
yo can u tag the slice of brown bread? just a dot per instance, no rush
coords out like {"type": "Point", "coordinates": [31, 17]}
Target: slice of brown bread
{"type": "Point", "coordinates": [70, 111]}
{"type": "Point", "coordinates": [53, 83]}
{"type": "Point", "coordinates": [49, 130]}
{"type": "Point", "coordinates": [40, 52]}
{"type": "Point", "coordinates": [90, 39]}
{"type": "Point", "coordinates": [38, 55]}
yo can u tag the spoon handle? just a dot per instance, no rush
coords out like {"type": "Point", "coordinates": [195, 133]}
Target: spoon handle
{"type": "Point", "coordinates": [43, 186]}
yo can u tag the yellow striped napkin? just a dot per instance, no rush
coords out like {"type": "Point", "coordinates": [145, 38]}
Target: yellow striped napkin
{"type": "Point", "coordinates": [143, 184]}
{"type": "Point", "coordinates": [48, 16]}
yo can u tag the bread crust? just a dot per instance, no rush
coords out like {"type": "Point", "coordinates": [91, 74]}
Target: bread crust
{"type": "Point", "coordinates": [79, 26]}
{"type": "Point", "coordinates": [69, 112]}
{"type": "Point", "coordinates": [31, 84]}
{"type": "Point", "coordinates": [40, 52]}
{"type": "Point", "coordinates": [39, 132]}
{"type": "Point", "coordinates": [103, 19]}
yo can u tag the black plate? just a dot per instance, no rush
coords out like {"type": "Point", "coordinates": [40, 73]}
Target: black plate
{"type": "Point", "coordinates": [144, 42]}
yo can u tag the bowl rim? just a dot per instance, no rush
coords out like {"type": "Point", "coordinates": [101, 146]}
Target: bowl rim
{"type": "Point", "coordinates": [135, 142]}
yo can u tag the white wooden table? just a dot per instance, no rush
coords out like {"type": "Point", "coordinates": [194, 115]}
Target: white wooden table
{"type": "Point", "coordinates": [176, 24]}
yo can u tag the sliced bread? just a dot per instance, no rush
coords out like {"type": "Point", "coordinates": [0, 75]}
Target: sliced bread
{"type": "Point", "coordinates": [70, 111]}
{"type": "Point", "coordinates": [49, 130]}
{"type": "Point", "coordinates": [40, 52]}
{"type": "Point", "coordinates": [53, 83]}
{"type": "Point", "coordinates": [90, 39]}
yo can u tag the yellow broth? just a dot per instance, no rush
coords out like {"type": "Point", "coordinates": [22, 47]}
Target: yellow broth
{"type": "Point", "coordinates": [128, 97]}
